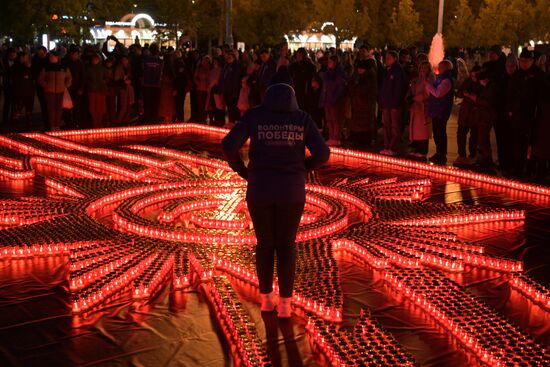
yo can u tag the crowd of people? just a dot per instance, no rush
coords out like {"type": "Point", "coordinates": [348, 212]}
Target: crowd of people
{"type": "Point", "coordinates": [349, 95]}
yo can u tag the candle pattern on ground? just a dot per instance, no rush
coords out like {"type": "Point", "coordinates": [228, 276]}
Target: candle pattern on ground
{"type": "Point", "coordinates": [135, 218]}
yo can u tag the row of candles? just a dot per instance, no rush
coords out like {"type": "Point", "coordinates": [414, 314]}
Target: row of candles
{"type": "Point", "coordinates": [81, 160]}
{"type": "Point", "coordinates": [310, 297]}
{"type": "Point", "coordinates": [448, 255]}
{"type": "Point", "coordinates": [439, 214]}
{"type": "Point", "coordinates": [12, 165]}
{"type": "Point", "coordinates": [135, 157]}
{"type": "Point", "coordinates": [366, 345]}
{"type": "Point", "coordinates": [435, 237]}
{"type": "Point", "coordinates": [181, 277]}
{"type": "Point", "coordinates": [486, 334]}
{"type": "Point", "coordinates": [236, 324]}
{"type": "Point", "coordinates": [150, 281]}
{"type": "Point", "coordinates": [53, 231]}
{"type": "Point", "coordinates": [30, 210]}
{"type": "Point", "coordinates": [390, 189]}
{"type": "Point", "coordinates": [108, 285]}
{"type": "Point", "coordinates": [536, 292]}
{"type": "Point", "coordinates": [345, 153]}
{"type": "Point", "coordinates": [126, 215]}
{"type": "Point", "coordinates": [44, 153]}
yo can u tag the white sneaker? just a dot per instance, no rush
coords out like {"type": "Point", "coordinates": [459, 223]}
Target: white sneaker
{"type": "Point", "coordinates": [284, 308]}
{"type": "Point", "coordinates": [268, 302]}
{"type": "Point", "coordinates": [384, 152]}
{"type": "Point", "coordinates": [391, 152]}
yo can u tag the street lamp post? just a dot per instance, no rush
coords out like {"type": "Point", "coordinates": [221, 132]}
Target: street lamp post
{"type": "Point", "coordinates": [440, 17]}
{"type": "Point", "coordinates": [228, 27]}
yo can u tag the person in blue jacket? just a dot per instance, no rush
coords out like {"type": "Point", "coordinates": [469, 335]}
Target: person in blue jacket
{"type": "Point", "coordinates": [440, 106]}
{"type": "Point", "coordinates": [279, 132]}
{"type": "Point", "coordinates": [392, 101]}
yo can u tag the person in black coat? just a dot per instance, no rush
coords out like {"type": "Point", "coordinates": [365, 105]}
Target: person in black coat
{"type": "Point", "coordinates": [23, 87]}
{"type": "Point", "coordinates": [74, 117]}
{"type": "Point", "coordinates": [495, 67]}
{"type": "Point", "coordinates": [39, 62]}
{"type": "Point", "coordinates": [268, 68]}
{"type": "Point", "coordinates": [392, 101]}
{"type": "Point", "coordinates": [467, 119]}
{"type": "Point", "coordinates": [523, 94]}
{"type": "Point", "coordinates": [182, 83]}
{"type": "Point", "coordinates": [363, 93]}
{"type": "Point", "coordinates": [312, 103]}
{"type": "Point", "coordinates": [332, 99]}
{"type": "Point", "coordinates": [8, 63]}
{"type": "Point", "coordinates": [230, 85]}
{"type": "Point", "coordinates": [503, 123]}
{"type": "Point", "coordinates": [302, 72]}
{"type": "Point", "coordinates": [541, 136]}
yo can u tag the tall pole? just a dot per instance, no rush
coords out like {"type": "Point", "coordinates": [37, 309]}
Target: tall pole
{"type": "Point", "coordinates": [228, 28]}
{"type": "Point", "coordinates": [440, 17]}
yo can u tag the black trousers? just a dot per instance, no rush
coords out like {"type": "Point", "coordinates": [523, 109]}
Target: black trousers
{"type": "Point", "coordinates": [484, 142]}
{"type": "Point", "coordinates": [462, 137]}
{"type": "Point", "coordinates": [276, 225]}
{"type": "Point", "coordinates": [233, 112]}
{"type": "Point", "coordinates": [519, 148]}
{"type": "Point", "coordinates": [504, 142]}
{"type": "Point", "coordinates": [440, 136]}
{"type": "Point", "coordinates": [180, 103]}
{"type": "Point", "coordinates": [43, 104]}
{"type": "Point", "coordinates": [421, 146]}
{"type": "Point", "coordinates": [151, 104]}
{"type": "Point", "coordinates": [8, 105]}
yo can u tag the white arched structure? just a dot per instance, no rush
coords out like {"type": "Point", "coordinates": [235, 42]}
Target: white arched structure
{"type": "Point", "coordinates": [129, 28]}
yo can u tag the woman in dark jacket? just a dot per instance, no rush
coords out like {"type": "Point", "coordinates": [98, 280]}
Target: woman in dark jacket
{"type": "Point", "coordinates": [95, 84]}
{"type": "Point", "coordinates": [230, 86]}
{"type": "Point", "coordinates": [23, 87]}
{"type": "Point", "coordinates": [54, 79]}
{"type": "Point", "coordinates": [363, 93]}
{"type": "Point", "coordinates": [279, 133]}
{"type": "Point", "coordinates": [392, 102]}
{"type": "Point", "coordinates": [332, 99]}
{"type": "Point", "coordinates": [541, 148]}
{"type": "Point", "coordinates": [467, 120]}
{"type": "Point", "coordinates": [312, 105]}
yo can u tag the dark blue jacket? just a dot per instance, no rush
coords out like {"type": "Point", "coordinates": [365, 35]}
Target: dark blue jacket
{"type": "Point", "coordinates": [266, 73]}
{"type": "Point", "coordinates": [230, 80]}
{"type": "Point", "coordinates": [152, 71]}
{"type": "Point", "coordinates": [279, 132]}
{"type": "Point", "coordinates": [394, 87]}
{"type": "Point", "coordinates": [442, 107]}
{"type": "Point", "coordinates": [334, 87]}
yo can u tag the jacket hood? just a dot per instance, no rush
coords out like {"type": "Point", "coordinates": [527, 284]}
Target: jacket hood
{"type": "Point", "coordinates": [281, 98]}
